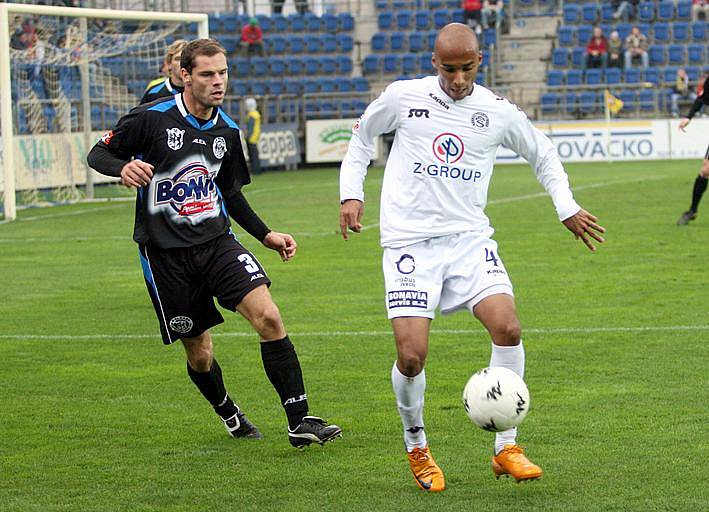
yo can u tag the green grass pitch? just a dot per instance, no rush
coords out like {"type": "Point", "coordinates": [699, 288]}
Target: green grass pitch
{"type": "Point", "coordinates": [96, 414]}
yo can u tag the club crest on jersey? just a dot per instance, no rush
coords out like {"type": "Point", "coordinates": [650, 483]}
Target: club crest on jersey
{"type": "Point", "coordinates": [448, 148]}
{"type": "Point", "coordinates": [189, 192]}
{"type": "Point", "coordinates": [181, 324]}
{"type": "Point", "coordinates": [219, 147]}
{"type": "Point", "coordinates": [174, 138]}
{"type": "Point", "coordinates": [480, 120]}
{"type": "Point", "coordinates": [406, 264]}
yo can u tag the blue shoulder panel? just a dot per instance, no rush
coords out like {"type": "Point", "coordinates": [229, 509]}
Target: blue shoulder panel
{"type": "Point", "coordinates": [164, 105]}
{"type": "Point", "coordinates": [228, 120]}
{"type": "Point", "coordinates": [156, 88]}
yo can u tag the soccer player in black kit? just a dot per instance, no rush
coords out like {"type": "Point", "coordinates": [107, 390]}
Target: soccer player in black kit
{"type": "Point", "coordinates": [700, 184]}
{"type": "Point", "coordinates": [189, 180]}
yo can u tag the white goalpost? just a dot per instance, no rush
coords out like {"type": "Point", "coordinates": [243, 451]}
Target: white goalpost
{"type": "Point", "coordinates": [67, 73]}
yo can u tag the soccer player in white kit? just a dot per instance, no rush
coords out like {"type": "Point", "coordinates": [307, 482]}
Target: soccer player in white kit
{"type": "Point", "coordinates": [435, 234]}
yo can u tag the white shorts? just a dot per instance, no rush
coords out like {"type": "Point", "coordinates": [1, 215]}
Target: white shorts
{"type": "Point", "coordinates": [454, 271]}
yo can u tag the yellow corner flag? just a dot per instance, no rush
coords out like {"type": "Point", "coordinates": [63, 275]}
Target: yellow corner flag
{"type": "Point", "coordinates": [613, 104]}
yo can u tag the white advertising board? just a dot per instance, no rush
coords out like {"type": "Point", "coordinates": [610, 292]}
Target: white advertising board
{"type": "Point", "coordinates": [326, 140]}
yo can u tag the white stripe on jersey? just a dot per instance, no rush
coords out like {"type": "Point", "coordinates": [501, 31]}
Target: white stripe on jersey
{"type": "Point", "coordinates": [438, 172]}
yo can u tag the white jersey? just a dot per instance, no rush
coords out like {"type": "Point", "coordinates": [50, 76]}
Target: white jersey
{"type": "Point", "coordinates": [439, 169]}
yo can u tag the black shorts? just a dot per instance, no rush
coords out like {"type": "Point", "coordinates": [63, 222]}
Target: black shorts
{"type": "Point", "coordinates": [183, 283]}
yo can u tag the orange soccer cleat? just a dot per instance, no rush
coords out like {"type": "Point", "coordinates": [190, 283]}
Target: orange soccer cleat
{"type": "Point", "coordinates": [428, 475]}
{"type": "Point", "coordinates": [512, 461]}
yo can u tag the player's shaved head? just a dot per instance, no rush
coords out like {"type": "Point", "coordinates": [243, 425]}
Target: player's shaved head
{"type": "Point", "coordinates": [457, 57]}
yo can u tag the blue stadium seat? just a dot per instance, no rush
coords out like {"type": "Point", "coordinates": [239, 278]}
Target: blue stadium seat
{"type": "Point", "coordinates": [613, 75]}
{"type": "Point", "coordinates": [457, 16]}
{"type": "Point", "coordinates": [311, 86]}
{"type": "Point", "coordinates": [239, 87]}
{"type": "Point", "coordinates": [583, 36]}
{"type": "Point", "coordinates": [391, 63]}
{"type": "Point", "coordinates": [680, 31]}
{"type": "Point", "coordinates": [574, 77]}
{"type": "Point", "coordinates": [279, 44]}
{"type": "Point", "coordinates": [632, 75]}
{"type": "Point", "coordinates": [330, 23]}
{"type": "Point", "coordinates": [257, 87]}
{"type": "Point", "coordinates": [572, 14]}
{"type": "Point", "coordinates": [550, 102]}
{"type": "Point", "coordinates": [385, 20]}
{"type": "Point", "coordinates": [555, 77]}
{"type": "Point", "coordinates": [589, 13]}
{"type": "Point", "coordinates": [313, 23]}
{"type": "Point", "coordinates": [346, 21]}
{"type": "Point", "coordinates": [259, 66]}
{"type": "Point", "coordinates": [416, 42]}
{"type": "Point", "coordinates": [409, 64]}
{"type": "Point", "coordinates": [371, 64]}
{"type": "Point", "coordinates": [397, 41]}
{"type": "Point", "coordinates": [276, 66]}
{"type": "Point", "coordinates": [294, 65]}
{"type": "Point", "coordinates": [629, 98]}
{"type": "Point", "coordinates": [684, 10]}
{"type": "Point", "coordinates": [480, 78]}
{"type": "Point", "coordinates": [669, 74]}
{"type": "Point", "coordinates": [329, 43]}
{"type": "Point", "coordinates": [567, 35]}
{"type": "Point", "coordinates": [241, 67]}
{"type": "Point", "coordinates": [264, 22]}
{"type": "Point", "coordinates": [423, 20]}
{"type": "Point", "coordinates": [652, 75]}
{"type": "Point", "coordinates": [296, 44]}
{"type": "Point", "coordinates": [489, 37]}
{"type": "Point", "coordinates": [440, 18]}
{"type": "Point", "coordinates": [693, 72]}
{"type": "Point", "coordinates": [280, 24]}
{"type": "Point", "coordinates": [657, 55]}
{"type": "Point", "coordinates": [560, 57]}
{"type": "Point", "coordinates": [431, 39]}
{"type": "Point", "coordinates": [293, 86]}
{"type": "Point", "coordinates": [623, 30]}
{"type": "Point", "coordinates": [699, 31]}
{"type": "Point", "coordinates": [232, 23]}
{"type": "Point", "coordinates": [379, 42]}
{"type": "Point", "coordinates": [425, 63]}
{"type": "Point", "coordinates": [676, 54]}
{"type": "Point", "coordinates": [344, 64]}
{"type": "Point", "coordinates": [275, 87]}
{"type": "Point", "coordinates": [311, 65]}
{"type": "Point", "coordinates": [695, 54]}
{"type": "Point", "coordinates": [328, 65]}
{"type": "Point", "coordinates": [571, 101]}
{"type": "Point", "coordinates": [360, 84]}
{"type": "Point", "coordinates": [588, 102]}
{"type": "Point", "coordinates": [661, 32]}
{"type": "Point", "coordinates": [646, 12]}
{"type": "Point", "coordinates": [607, 12]}
{"type": "Point", "coordinates": [578, 55]}
{"type": "Point", "coordinates": [665, 11]}
{"type": "Point", "coordinates": [404, 20]}
{"type": "Point", "coordinates": [594, 76]}
{"type": "Point", "coordinates": [297, 22]}
{"type": "Point", "coordinates": [647, 100]}
{"type": "Point", "coordinates": [328, 85]}
{"type": "Point", "coordinates": [313, 44]}
{"type": "Point", "coordinates": [345, 43]}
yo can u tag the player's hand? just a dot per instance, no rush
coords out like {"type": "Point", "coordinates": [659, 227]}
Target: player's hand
{"type": "Point", "coordinates": [136, 173]}
{"type": "Point", "coordinates": [283, 243]}
{"type": "Point", "coordinates": [683, 124]}
{"type": "Point", "coordinates": [351, 212]}
{"type": "Point", "coordinates": [583, 225]}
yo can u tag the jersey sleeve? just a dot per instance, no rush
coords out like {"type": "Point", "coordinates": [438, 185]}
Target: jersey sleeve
{"type": "Point", "coordinates": [115, 148]}
{"type": "Point", "coordinates": [381, 116]}
{"type": "Point", "coordinates": [530, 143]}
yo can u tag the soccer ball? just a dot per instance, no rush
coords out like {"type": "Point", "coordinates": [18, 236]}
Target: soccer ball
{"type": "Point", "coordinates": [496, 399]}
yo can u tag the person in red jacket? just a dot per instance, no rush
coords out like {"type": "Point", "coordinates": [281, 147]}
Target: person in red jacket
{"type": "Point", "coordinates": [597, 50]}
{"type": "Point", "coordinates": [252, 38]}
{"type": "Point", "coordinates": [472, 14]}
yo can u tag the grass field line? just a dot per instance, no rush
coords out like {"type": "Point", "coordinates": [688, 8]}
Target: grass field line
{"type": "Point", "coordinates": [310, 334]}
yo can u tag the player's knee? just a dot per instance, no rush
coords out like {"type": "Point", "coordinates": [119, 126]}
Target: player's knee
{"type": "Point", "coordinates": [267, 321]}
{"type": "Point", "coordinates": [200, 358]}
{"type": "Point", "coordinates": [509, 333]}
{"type": "Point", "coordinates": [411, 363]}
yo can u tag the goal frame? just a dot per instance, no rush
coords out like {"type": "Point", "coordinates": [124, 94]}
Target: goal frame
{"type": "Point", "coordinates": [6, 122]}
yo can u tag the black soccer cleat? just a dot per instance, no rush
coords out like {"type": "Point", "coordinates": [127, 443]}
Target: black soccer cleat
{"type": "Point", "coordinates": [313, 430]}
{"type": "Point", "coordinates": [686, 217]}
{"type": "Point", "coordinates": [240, 426]}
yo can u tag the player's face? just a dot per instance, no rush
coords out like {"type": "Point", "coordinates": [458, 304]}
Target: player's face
{"type": "Point", "coordinates": [175, 75]}
{"type": "Point", "coordinates": [208, 80]}
{"type": "Point", "coordinates": [457, 71]}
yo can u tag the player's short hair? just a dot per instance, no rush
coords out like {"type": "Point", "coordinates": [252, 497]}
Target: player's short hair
{"type": "Point", "coordinates": [176, 47]}
{"type": "Point", "coordinates": [206, 47]}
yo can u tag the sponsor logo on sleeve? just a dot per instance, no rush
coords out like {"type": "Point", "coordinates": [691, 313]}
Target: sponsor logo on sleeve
{"type": "Point", "coordinates": [407, 299]}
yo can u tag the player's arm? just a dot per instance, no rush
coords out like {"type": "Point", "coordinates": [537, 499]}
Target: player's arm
{"type": "Point", "coordinates": [112, 154]}
{"type": "Point", "coordinates": [381, 116]}
{"type": "Point", "coordinates": [530, 143]}
{"type": "Point", "coordinates": [697, 105]}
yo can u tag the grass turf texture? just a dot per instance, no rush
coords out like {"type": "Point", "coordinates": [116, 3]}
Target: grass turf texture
{"type": "Point", "coordinates": [98, 415]}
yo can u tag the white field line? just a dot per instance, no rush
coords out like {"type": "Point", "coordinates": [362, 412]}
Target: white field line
{"type": "Point", "coordinates": [311, 334]}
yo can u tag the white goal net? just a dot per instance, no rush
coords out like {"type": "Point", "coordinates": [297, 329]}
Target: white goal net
{"type": "Point", "coordinates": [67, 75]}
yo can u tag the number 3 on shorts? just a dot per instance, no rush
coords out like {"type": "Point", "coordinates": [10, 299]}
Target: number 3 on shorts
{"type": "Point", "coordinates": [250, 265]}
{"type": "Point", "coordinates": [490, 256]}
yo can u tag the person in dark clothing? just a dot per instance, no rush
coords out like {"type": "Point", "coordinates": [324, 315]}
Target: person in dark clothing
{"type": "Point", "coordinates": [171, 84]}
{"type": "Point", "coordinates": [189, 179]}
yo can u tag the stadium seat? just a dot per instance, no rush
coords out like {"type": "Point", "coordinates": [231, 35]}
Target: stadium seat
{"type": "Point", "coordinates": [583, 35]}
{"type": "Point", "coordinates": [275, 87]}
{"type": "Point", "coordinates": [560, 57]}
{"type": "Point", "coordinates": [589, 13]}
{"type": "Point", "coordinates": [296, 22]}
{"type": "Point", "coordinates": [607, 12]}
{"type": "Point", "coordinates": [594, 76]}
{"type": "Point", "coordinates": [675, 54]}
{"type": "Point", "coordinates": [423, 20]}
{"type": "Point", "coordinates": [574, 77]}
{"type": "Point", "coordinates": [328, 85]}
{"type": "Point", "coordinates": [623, 30]}
{"type": "Point", "coordinates": [699, 31]}
{"type": "Point", "coordinates": [240, 67]}
{"type": "Point", "coordinates": [550, 102]}
{"type": "Point", "coordinates": [397, 41]}
{"type": "Point", "coordinates": [345, 43]}
{"type": "Point", "coordinates": [328, 66]}
{"type": "Point", "coordinates": [431, 39]}
{"type": "Point", "coordinates": [652, 75]}
{"type": "Point", "coordinates": [555, 77]}
{"type": "Point", "coordinates": [330, 23]}
{"type": "Point", "coordinates": [694, 72]}
{"type": "Point", "coordinates": [346, 22]}
{"type": "Point", "coordinates": [440, 18]}
{"type": "Point", "coordinates": [567, 35]}
{"type": "Point", "coordinates": [646, 12]}
{"type": "Point", "coordinates": [572, 14]}
{"type": "Point", "coordinates": [391, 63]}
{"type": "Point", "coordinates": [259, 66]}
{"type": "Point", "coordinates": [280, 24]}
{"type": "Point", "coordinates": [632, 75]}
{"type": "Point", "coordinates": [647, 100]}
{"type": "Point", "coordinates": [344, 64]}
{"type": "Point", "coordinates": [669, 74]}
{"type": "Point", "coordinates": [313, 44]}
{"type": "Point", "coordinates": [665, 11]}
{"type": "Point", "coordinates": [578, 55]}
{"type": "Point", "coordinates": [588, 102]}
{"type": "Point", "coordinates": [425, 64]}
{"type": "Point", "coordinates": [313, 23]}
{"type": "Point", "coordinates": [293, 86]}
{"type": "Point", "coordinates": [360, 84]}
{"type": "Point", "coordinates": [311, 65]}
{"type": "Point", "coordinates": [257, 87]}
{"type": "Point", "coordinates": [311, 86]}
{"type": "Point", "coordinates": [371, 64]}
{"type": "Point", "coordinates": [329, 43]}
{"type": "Point", "coordinates": [264, 22]}
{"type": "Point", "coordinates": [661, 32]}
{"type": "Point", "coordinates": [416, 42]}
{"type": "Point", "coordinates": [239, 87]}
{"type": "Point", "coordinates": [571, 100]}
{"type": "Point", "coordinates": [294, 65]}
{"type": "Point", "coordinates": [695, 54]}
{"type": "Point", "coordinates": [613, 75]}
{"type": "Point", "coordinates": [276, 66]}
{"type": "Point", "coordinates": [657, 55]}
{"type": "Point", "coordinates": [278, 44]}
{"type": "Point", "coordinates": [680, 31]}
{"type": "Point", "coordinates": [489, 37]}
{"type": "Point", "coordinates": [385, 20]}
{"type": "Point", "coordinates": [404, 20]}
{"type": "Point", "coordinates": [684, 10]}
{"type": "Point", "coordinates": [409, 64]}
{"type": "Point", "coordinates": [296, 44]}
{"type": "Point", "coordinates": [629, 98]}
{"type": "Point", "coordinates": [379, 42]}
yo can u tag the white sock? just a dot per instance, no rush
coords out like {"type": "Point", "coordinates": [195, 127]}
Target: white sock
{"type": "Point", "coordinates": [409, 393]}
{"type": "Point", "coordinates": [511, 358]}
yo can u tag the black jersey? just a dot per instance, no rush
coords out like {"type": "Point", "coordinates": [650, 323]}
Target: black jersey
{"type": "Point", "coordinates": [701, 100]}
{"type": "Point", "coordinates": [164, 89]}
{"type": "Point", "coordinates": [195, 169]}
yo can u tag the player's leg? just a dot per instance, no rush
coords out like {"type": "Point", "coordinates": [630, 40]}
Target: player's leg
{"type": "Point", "coordinates": [498, 314]}
{"type": "Point", "coordinates": [700, 186]}
{"type": "Point", "coordinates": [280, 361]}
{"type": "Point", "coordinates": [206, 374]}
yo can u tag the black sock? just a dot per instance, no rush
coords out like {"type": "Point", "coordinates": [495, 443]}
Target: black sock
{"type": "Point", "coordinates": [283, 370]}
{"type": "Point", "coordinates": [700, 185]}
{"type": "Point", "coordinates": [212, 387]}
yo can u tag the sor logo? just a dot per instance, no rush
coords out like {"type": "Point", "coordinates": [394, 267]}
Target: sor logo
{"type": "Point", "coordinates": [418, 112]}
{"type": "Point", "coordinates": [219, 147]}
{"type": "Point", "coordinates": [190, 192]}
{"type": "Point", "coordinates": [181, 324]}
{"type": "Point", "coordinates": [480, 120]}
{"type": "Point", "coordinates": [174, 138]}
{"type": "Point", "coordinates": [448, 148]}
{"type": "Point", "coordinates": [406, 264]}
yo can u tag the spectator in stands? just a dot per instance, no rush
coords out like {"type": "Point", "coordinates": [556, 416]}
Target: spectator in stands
{"type": "Point", "coordinates": [625, 9]}
{"type": "Point", "coordinates": [252, 38]}
{"type": "Point", "coordinates": [681, 91]}
{"type": "Point", "coordinates": [597, 50]}
{"type": "Point", "coordinates": [492, 13]}
{"type": "Point", "coordinates": [277, 6]}
{"type": "Point", "coordinates": [700, 9]}
{"type": "Point", "coordinates": [301, 6]}
{"type": "Point", "coordinates": [472, 14]}
{"type": "Point", "coordinates": [636, 48]}
{"type": "Point", "coordinates": [253, 134]}
{"type": "Point", "coordinates": [615, 50]}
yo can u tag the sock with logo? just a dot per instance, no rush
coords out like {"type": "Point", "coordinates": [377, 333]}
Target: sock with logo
{"type": "Point", "coordinates": [700, 185]}
{"type": "Point", "coordinates": [283, 370]}
{"type": "Point", "coordinates": [409, 393]}
{"type": "Point", "coordinates": [511, 358]}
{"type": "Point", "coordinates": [211, 385]}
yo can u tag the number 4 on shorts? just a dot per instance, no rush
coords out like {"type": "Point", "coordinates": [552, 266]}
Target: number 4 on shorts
{"type": "Point", "coordinates": [490, 256]}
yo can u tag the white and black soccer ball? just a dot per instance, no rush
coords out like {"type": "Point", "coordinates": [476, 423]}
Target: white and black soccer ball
{"type": "Point", "coordinates": [496, 399]}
